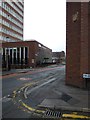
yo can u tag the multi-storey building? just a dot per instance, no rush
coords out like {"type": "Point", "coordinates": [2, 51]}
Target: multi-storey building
{"type": "Point", "coordinates": [11, 20]}
{"type": "Point", "coordinates": [78, 44]}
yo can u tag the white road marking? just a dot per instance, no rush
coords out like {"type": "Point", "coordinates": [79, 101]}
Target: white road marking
{"type": "Point", "coordinates": [8, 95]}
{"type": "Point", "coordinates": [19, 91]}
{"type": "Point", "coordinates": [5, 98]}
{"type": "Point", "coordinates": [29, 91]}
{"type": "Point", "coordinates": [24, 78]}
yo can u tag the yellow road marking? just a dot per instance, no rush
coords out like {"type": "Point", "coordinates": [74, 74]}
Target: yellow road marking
{"type": "Point", "coordinates": [14, 94]}
{"type": "Point", "coordinates": [75, 116]}
{"type": "Point", "coordinates": [32, 109]}
{"type": "Point", "coordinates": [25, 105]}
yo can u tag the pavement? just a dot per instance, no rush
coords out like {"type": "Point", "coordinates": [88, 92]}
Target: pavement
{"type": "Point", "coordinates": [70, 98]}
{"type": "Point", "coordinates": [12, 71]}
{"type": "Point", "coordinates": [67, 98]}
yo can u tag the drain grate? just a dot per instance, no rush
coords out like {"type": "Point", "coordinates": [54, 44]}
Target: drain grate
{"type": "Point", "coordinates": [51, 113]}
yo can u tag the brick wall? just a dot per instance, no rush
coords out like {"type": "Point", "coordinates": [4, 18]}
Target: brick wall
{"type": "Point", "coordinates": [84, 42]}
{"type": "Point", "coordinates": [76, 43]}
{"type": "Point", "coordinates": [33, 51]}
{"type": "Point", "coordinates": [89, 39]}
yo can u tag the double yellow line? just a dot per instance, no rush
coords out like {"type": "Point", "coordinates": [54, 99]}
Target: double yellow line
{"type": "Point", "coordinates": [32, 109]}
{"type": "Point", "coordinates": [73, 115]}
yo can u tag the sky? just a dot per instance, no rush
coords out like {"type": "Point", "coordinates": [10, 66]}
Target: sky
{"type": "Point", "coordinates": [45, 21]}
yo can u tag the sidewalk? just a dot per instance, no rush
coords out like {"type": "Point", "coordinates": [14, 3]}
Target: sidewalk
{"type": "Point", "coordinates": [67, 98]}
{"type": "Point", "coordinates": [12, 71]}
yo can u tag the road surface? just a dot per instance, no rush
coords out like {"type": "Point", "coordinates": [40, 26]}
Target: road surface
{"type": "Point", "coordinates": [40, 83]}
{"type": "Point", "coordinates": [33, 93]}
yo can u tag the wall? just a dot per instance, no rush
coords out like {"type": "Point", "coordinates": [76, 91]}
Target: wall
{"type": "Point", "coordinates": [73, 44]}
{"type": "Point", "coordinates": [77, 46]}
{"type": "Point", "coordinates": [35, 53]}
{"type": "Point", "coordinates": [44, 54]}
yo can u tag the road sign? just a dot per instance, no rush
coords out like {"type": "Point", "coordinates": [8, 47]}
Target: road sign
{"type": "Point", "coordinates": [86, 75]}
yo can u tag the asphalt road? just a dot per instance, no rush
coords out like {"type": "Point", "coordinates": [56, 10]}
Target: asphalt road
{"type": "Point", "coordinates": [23, 93]}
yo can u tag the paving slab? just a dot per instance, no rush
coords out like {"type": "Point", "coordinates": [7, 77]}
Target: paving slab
{"type": "Point", "coordinates": [53, 103]}
{"type": "Point", "coordinates": [61, 105]}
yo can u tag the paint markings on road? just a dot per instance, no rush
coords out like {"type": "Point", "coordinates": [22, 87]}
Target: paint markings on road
{"type": "Point", "coordinates": [32, 109]}
{"type": "Point", "coordinates": [6, 98]}
{"type": "Point", "coordinates": [74, 116]}
{"type": "Point", "coordinates": [29, 91]}
{"type": "Point", "coordinates": [25, 79]}
{"type": "Point", "coordinates": [19, 91]}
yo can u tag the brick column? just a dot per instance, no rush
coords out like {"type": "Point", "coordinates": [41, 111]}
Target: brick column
{"type": "Point", "coordinates": [84, 42]}
{"type": "Point", "coordinates": [77, 43]}
{"type": "Point", "coordinates": [73, 36]}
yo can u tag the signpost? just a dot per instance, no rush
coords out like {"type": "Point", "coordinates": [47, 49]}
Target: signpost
{"type": "Point", "coordinates": [86, 76]}
{"type": "Point", "coordinates": [87, 80]}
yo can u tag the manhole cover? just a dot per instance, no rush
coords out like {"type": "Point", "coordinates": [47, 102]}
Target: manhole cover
{"type": "Point", "coordinates": [65, 97]}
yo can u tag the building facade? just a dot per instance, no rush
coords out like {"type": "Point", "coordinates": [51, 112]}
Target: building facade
{"type": "Point", "coordinates": [25, 54]}
{"type": "Point", "coordinates": [58, 57]}
{"type": "Point", "coordinates": [78, 43]}
{"type": "Point", "coordinates": [11, 20]}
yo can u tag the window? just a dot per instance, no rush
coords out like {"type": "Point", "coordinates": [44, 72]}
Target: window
{"type": "Point", "coordinates": [0, 20]}
{"type": "Point", "coordinates": [0, 12]}
{"type": "Point", "coordinates": [0, 3]}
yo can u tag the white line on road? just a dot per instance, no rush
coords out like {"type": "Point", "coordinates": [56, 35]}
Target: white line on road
{"type": "Point", "coordinates": [29, 91]}
{"type": "Point", "coordinates": [5, 98]}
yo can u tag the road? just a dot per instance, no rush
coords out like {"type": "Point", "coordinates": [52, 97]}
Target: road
{"type": "Point", "coordinates": [23, 93]}
{"type": "Point", "coordinates": [42, 93]}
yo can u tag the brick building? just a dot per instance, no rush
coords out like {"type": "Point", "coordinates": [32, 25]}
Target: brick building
{"type": "Point", "coordinates": [11, 20]}
{"type": "Point", "coordinates": [58, 57]}
{"type": "Point", "coordinates": [78, 43]}
{"type": "Point", "coordinates": [25, 54]}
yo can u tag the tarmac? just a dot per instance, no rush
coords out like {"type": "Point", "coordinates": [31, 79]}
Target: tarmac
{"type": "Point", "coordinates": [72, 98]}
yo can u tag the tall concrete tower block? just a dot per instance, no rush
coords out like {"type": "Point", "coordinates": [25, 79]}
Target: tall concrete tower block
{"type": "Point", "coordinates": [77, 43]}
{"type": "Point", "coordinates": [11, 20]}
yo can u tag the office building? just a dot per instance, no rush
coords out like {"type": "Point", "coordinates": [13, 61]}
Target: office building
{"type": "Point", "coordinates": [25, 54]}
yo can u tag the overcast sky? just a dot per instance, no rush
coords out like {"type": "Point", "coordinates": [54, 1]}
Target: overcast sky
{"type": "Point", "coordinates": [45, 21]}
